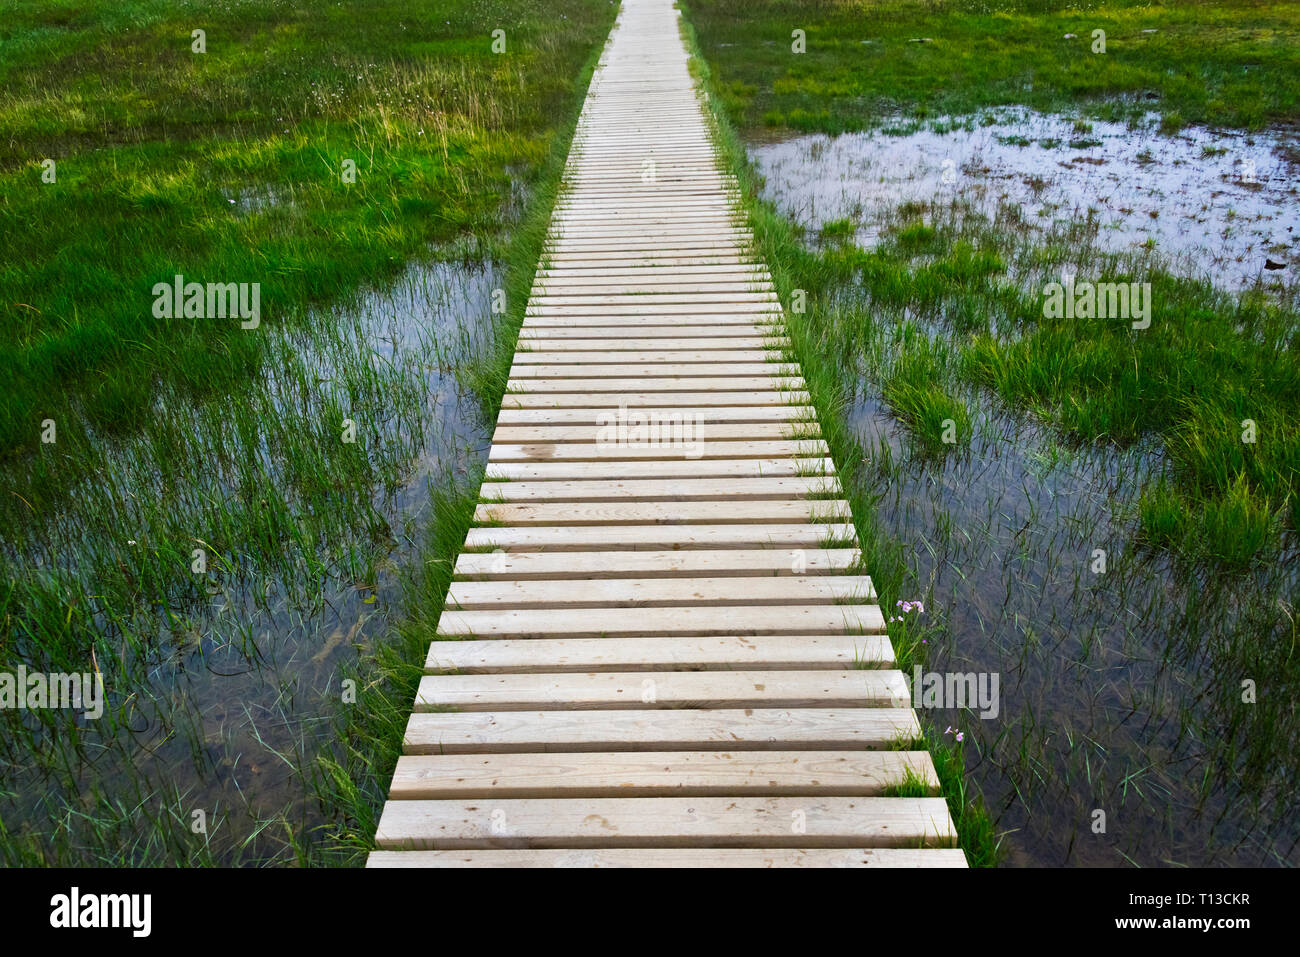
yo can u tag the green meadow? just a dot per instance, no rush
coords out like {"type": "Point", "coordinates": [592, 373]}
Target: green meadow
{"type": "Point", "coordinates": [1201, 61]}
{"type": "Point", "coordinates": [229, 166]}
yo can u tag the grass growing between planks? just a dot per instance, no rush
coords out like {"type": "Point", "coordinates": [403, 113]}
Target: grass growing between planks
{"type": "Point", "coordinates": [223, 558]}
{"type": "Point", "coordinates": [1218, 62]}
{"type": "Point", "coordinates": [777, 246]}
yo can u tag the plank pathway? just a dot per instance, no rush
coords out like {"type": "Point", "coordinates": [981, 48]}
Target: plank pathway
{"type": "Point", "coordinates": [666, 654]}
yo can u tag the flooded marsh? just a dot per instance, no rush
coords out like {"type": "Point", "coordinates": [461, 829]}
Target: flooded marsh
{"type": "Point", "coordinates": [221, 569]}
{"type": "Point", "coordinates": [1146, 683]}
{"type": "Point", "coordinates": [1215, 205]}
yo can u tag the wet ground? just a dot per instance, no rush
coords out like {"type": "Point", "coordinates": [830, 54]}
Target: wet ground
{"type": "Point", "coordinates": [1211, 204]}
{"type": "Point", "coordinates": [1119, 679]}
{"type": "Point", "coordinates": [1122, 737]}
{"type": "Point", "coordinates": [224, 708]}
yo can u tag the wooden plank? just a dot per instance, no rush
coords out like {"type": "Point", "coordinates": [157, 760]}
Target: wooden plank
{"type": "Point", "coordinates": [651, 323]}
{"type": "Point", "coordinates": [748, 729]}
{"type": "Point", "coordinates": [685, 447]}
{"type": "Point", "coordinates": [684, 357]}
{"type": "Point", "coordinates": [664, 592]}
{"type": "Point", "coordinates": [660, 774]}
{"type": "Point", "coordinates": [625, 370]}
{"type": "Point", "coordinates": [648, 299]}
{"type": "Point", "coordinates": [594, 416]}
{"type": "Point", "coordinates": [718, 401]}
{"type": "Point", "coordinates": [806, 465]}
{"type": "Point", "coordinates": [624, 537]}
{"type": "Point", "coordinates": [684, 620]}
{"type": "Point", "coordinates": [748, 345]}
{"type": "Point", "coordinates": [637, 426]}
{"type": "Point", "coordinates": [668, 822]}
{"type": "Point", "coordinates": [674, 857]}
{"type": "Point", "coordinates": [752, 511]}
{"type": "Point", "coordinates": [666, 384]}
{"type": "Point", "coordinates": [566, 337]}
{"type": "Point", "coordinates": [678, 490]}
{"type": "Point", "coordinates": [599, 691]}
{"type": "Point", "coordinates": [691, 653]}
{"type": "Point", "coordinates": [659, 309]}
{"type": "Point", "coordinates": [521, 566]}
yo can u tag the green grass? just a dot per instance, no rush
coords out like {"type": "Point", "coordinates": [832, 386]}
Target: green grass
{"type": "Point", "coordinates": [153, 142]}
{"type": "Point", "coordinates": [1231, 64]}
{"type": "Point", "coordinates": [915, 390]}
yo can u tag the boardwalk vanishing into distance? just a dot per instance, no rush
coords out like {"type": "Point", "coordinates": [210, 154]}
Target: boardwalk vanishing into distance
{"type": "Point", "coordinates": [659, 649]}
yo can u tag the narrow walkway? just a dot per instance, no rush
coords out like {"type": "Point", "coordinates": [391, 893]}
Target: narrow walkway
{"type": "Point", "coordinates": [667, 655]}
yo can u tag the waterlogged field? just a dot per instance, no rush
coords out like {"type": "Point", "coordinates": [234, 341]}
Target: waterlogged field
{"type": "Point", "coordinates": [1093, 498]}
{"type": "Point", "coordinates": [240, 526]}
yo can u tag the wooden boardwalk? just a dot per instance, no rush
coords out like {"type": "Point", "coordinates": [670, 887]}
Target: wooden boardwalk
{"type": "Point", "coordinates": [664, 654]}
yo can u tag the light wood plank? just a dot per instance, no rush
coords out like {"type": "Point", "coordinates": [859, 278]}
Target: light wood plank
{"type": "Point", "coordinates": [663, 592]}
{"type": "Point", "coordinates": [598, 691]}
{"type": "Point", "coordinates": [745, 512]}
{"type": "Point", "coordinates": [674, 857]}
{"type": "Point", "coordinates": [747, 729]}
{"type": "Point", "coordinates": [726, 653]}
{"type": "Point", "coordinates": [686, 620]}
{"type": "Point", "coordinates": [660, 774]}
{"type": "Point", "coordinates": [668, 822]}
{"type": "Point", "coordinates": [656, 537]}
{"type": "Point", "coordinates": [521, 566]}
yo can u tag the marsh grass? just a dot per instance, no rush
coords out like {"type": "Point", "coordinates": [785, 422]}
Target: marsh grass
{"type": "Point", "coordinates": [1207, 61]}
{"type": "Point", "coordinates": [227, 166]}
{"type": "Point", "coordinates": [950, 306]}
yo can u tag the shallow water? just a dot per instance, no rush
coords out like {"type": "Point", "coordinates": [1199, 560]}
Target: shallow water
{"type": "Point", "coordinates": [1209, 204]}
{"type": "Point", "coordinates": [1120, 689]}
{"type": "Point", "coordinates": [1117, 688]}
{"type": "Point", "coordinates": [226, 704]}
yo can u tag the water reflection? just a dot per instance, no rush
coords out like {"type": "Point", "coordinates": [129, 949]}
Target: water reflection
{"type": "Point", "coordinates": [220, 684]}
{"type": "Point", "coordinates": [1209, 204]}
